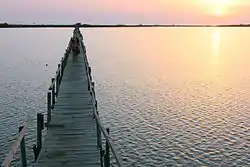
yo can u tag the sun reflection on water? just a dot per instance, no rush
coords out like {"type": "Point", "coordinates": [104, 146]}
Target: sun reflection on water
{"type": "Point", "coordinates": [216, 46]}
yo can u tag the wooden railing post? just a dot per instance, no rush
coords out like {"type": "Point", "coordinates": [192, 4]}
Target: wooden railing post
{"type": "Point", "coordinates": [48, 108]}
{"type": "Point", "coordinates": [99, 142]}
{"type": "Point", "coordinates": [106, 156]}
{"type": "Point", "coordinates": [96, 104]}
{"type": "Point", "coordinates": [23, 149]}
{"type": "Point", "coordinates": [90, 74]}
{"type": "Point", "coordinates": [93, 89]}
{"type": "Point", "coordinates": [40, 126]}
{"type": "Point", "coordinates": [53, 93]}
{"type": "Point", "coordinates": [99, 135]}
{"type": "Point", "coordinates": [89, 87]}
{"type": "Point", "coordinates": [62, 69]}
{"type": "Point", "coordinates": [65, 59]}
{"type": "Point", "coordinates": [58, 76]}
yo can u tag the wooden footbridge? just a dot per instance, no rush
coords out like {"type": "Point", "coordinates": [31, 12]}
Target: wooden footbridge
{"type": "Point", "coordinates": [75, 135]}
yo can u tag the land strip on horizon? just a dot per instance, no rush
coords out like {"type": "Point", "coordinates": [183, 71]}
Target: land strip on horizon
{"type": "Point", "coordinates": [6, 25]}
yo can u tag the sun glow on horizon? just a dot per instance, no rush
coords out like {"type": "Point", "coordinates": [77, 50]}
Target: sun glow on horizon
{"type": "Point", "coordinates": [219, 7]}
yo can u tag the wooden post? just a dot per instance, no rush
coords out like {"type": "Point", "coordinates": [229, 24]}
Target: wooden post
{"type": "Point", "coordinates": [86, 67]}
{"type": "Point", "coordinates": [59, 67]}
{"type": "Point", "coordinates": [56, 84]}
{"type": "Point", "coordinates": [93, 88]}
{"type": "Point", "coordinates": [99, 142]}
{"type": "Point", "coordinates": [65, 60]}
{"type": "Point", "coordinates": [89, 86]}
{"type": "Point", "coordinates": [90, 77]}
{"type": "Point", "coordinates": [100, 137]}
{"type": "Point", "coordinates": [48, 108]}
{"type": "Point", "coordinates": [39, 131]}
{"type": "Point", "coordinates": [53, 93]}
{"type": "Point", "coordinates": [62, 69]}
{"type": "Point", "coordinates": [89, 71]}
{"type": "Point", "coordinates": [35, 151]}
{"type": "Point", "coordinates": [98, 134]}
{"type": "Point", "coordinates": [106, 156]}
{"type": "Point", "coordinates": [58, 76]}
{"type": "Point", "coordinates": [101, 155]}
{"type": "Point", "coordinates": [96, 104]}
{"type": "Point", "coordinates": [23, 150]}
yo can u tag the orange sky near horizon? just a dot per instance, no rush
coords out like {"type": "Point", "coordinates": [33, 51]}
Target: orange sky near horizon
{"type": "Point", "coordinates": [127, 11]}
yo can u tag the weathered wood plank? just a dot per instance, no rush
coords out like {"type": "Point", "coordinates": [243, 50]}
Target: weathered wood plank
{"type": "Point", "coordinates": [71, 137]}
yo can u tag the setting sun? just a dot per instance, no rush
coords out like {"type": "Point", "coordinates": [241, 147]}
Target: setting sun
{"type": "Point", "coordinates": [219, 11]}
{"type": "Point", "coordinates": [219, 7]}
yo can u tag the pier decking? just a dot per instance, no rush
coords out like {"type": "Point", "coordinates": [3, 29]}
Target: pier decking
{"type": "Point", "coordinates": [74, 130]}
{"type": "Point", "coordinates": [72, 135]}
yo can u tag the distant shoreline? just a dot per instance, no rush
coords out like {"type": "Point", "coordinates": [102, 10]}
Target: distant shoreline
{"type": "Point", "coordinates": [5, 25]}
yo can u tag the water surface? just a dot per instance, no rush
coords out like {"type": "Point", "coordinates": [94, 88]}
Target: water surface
{"type": "Point", "coordinates": [174, 96]}
{"type": "Point", "coordinates": [25, 78]}
{"type": "Point", "coordinates": [171, 96]}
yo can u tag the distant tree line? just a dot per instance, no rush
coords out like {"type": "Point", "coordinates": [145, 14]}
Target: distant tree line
{"type": "Point", "coordinates": [3, 24]}
{"type": "Point", "coordinates": [6, 25]}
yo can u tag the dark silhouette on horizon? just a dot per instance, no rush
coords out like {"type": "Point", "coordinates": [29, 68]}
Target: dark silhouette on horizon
{"type": "Point", "coordinates": [6, 25]}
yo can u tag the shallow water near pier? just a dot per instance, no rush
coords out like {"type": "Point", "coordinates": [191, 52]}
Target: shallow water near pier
{"type": "Point", "coordinates": [170, 96]}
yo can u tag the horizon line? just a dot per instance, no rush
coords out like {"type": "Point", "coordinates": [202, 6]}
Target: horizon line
{"type": "Point", "coordinates": [6, 25]}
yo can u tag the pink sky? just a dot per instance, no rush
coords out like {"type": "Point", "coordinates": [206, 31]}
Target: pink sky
{"type": "Point", "coordinates": [126, 11]}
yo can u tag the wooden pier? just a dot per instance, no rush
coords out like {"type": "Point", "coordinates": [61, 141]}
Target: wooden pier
{"type": "Point", "coordinates": [74, 130]}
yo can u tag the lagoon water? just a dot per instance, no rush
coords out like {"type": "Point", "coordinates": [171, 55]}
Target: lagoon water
{"type": "Point", "coordinates": [171, 96]}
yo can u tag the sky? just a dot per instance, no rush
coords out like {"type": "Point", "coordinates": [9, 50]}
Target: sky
{"type": "Point", "coordinates": [125, 11]}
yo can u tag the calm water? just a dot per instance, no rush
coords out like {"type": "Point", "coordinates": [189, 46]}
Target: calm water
{"type": "Point", "coordinates": [25, 78]}
{"type": "Point", "coordinates": [171, 96]}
